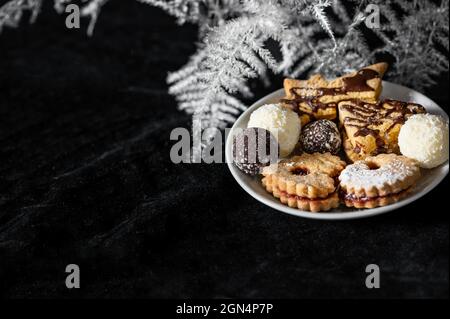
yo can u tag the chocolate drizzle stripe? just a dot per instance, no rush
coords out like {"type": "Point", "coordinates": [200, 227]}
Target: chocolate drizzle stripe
{"type": "Point", "coordinates": [377, 114]}
{"type": "Point", "coordinates": [356, 83]}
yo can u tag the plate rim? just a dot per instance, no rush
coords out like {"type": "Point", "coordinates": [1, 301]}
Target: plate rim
{"type": "Point", "coordinates": [358, 213]}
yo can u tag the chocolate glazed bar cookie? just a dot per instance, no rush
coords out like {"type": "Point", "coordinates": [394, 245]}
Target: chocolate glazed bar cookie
{"type": "Point", "coordinates": [317, 98]}
{"type": "Point", "coordinates": [373, 128]}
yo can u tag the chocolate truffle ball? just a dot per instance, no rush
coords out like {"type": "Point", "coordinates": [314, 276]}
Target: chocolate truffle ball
{"type": "Point", "coordinates": [320, 136]}
{"type": "Point", "coordinates": [254, 148]}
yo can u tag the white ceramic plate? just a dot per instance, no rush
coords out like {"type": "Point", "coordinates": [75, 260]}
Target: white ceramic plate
{"type": "Point", "coordinates": [252, 185]}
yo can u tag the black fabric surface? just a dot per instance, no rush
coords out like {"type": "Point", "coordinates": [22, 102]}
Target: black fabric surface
{"type": "Point", "coordinates": [86, 178]}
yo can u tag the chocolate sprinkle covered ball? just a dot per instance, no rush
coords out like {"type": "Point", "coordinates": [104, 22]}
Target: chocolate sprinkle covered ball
{"type": "Point", "coordinates": [320, 136]}
{"type": "Point", "coordinates": [254, 148]}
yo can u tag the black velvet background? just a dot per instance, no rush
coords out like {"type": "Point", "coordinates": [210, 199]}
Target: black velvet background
{"type": "Point", "coordinates": [85, 178]}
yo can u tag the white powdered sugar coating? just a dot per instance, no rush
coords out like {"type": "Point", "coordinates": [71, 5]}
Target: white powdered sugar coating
{"type": "Point", "coordinates": [360, 176]}
{"type": "Point", "coordinates": [424, 137]}
{"type": "Point", "coordinates": [282, 122]}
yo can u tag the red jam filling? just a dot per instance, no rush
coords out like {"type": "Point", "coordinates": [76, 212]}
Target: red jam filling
{"type": "Point", "coordinates": [355, 199]}
{"type": "Point", "coordinates": [285, 194]}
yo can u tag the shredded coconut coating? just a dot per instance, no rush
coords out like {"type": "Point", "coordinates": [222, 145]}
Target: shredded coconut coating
{"type": "Point", "coordinates": [424, 137]}
{"type": "Point", "coordinates": [282, 122]}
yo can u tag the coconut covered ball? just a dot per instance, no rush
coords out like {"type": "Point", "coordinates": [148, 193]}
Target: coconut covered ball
{"type": "Point", "coordinates": [424, 137]}
{"type": "Point", "coordinates": [282, 122]}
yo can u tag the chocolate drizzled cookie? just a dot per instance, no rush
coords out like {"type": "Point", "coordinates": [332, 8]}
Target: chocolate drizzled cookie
{"type": "Point", "coordinates": [317, 97]}
{"type": "Point", "coordinates": [373, 128]}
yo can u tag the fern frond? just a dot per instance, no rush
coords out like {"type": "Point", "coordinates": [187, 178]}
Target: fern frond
{"type": "Point", "coordinates": [183, 10]}
{"type": "Point", "coordinates": [11, 12]}
{"type": "Point", "coordinates": [317, 9]}
{"type": "Point", "coordinates": [232, 54]}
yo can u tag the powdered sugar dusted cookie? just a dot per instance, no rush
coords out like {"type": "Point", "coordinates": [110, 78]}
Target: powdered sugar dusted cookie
{"type": "Point", "coordinates": [378, 181]}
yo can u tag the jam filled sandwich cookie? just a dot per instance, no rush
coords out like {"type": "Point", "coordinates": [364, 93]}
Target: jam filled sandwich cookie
{"type": "Point", "coordinates": [317, 98]}
{"type": "Point", "coordinates": [378, 181]}
{"type": "Point", "coordinates": [307, 182]}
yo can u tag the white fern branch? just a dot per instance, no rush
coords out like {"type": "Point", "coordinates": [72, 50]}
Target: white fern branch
{"type": "Point", "coordinates": [11, 12]}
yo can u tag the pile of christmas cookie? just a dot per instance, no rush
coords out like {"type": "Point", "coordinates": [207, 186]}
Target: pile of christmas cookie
{"type": "Point", "coordinates": [334, 142]}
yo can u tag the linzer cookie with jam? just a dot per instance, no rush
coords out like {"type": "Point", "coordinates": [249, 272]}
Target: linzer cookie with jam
{"type": "Point", "coordinates": [317, 98]}
{"type": "Point", "coordinates": [373, 128]}
{"type": "Point", "coordinates": [378, 180]}
{"type": "Point", "coordinates": [308, 182]}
